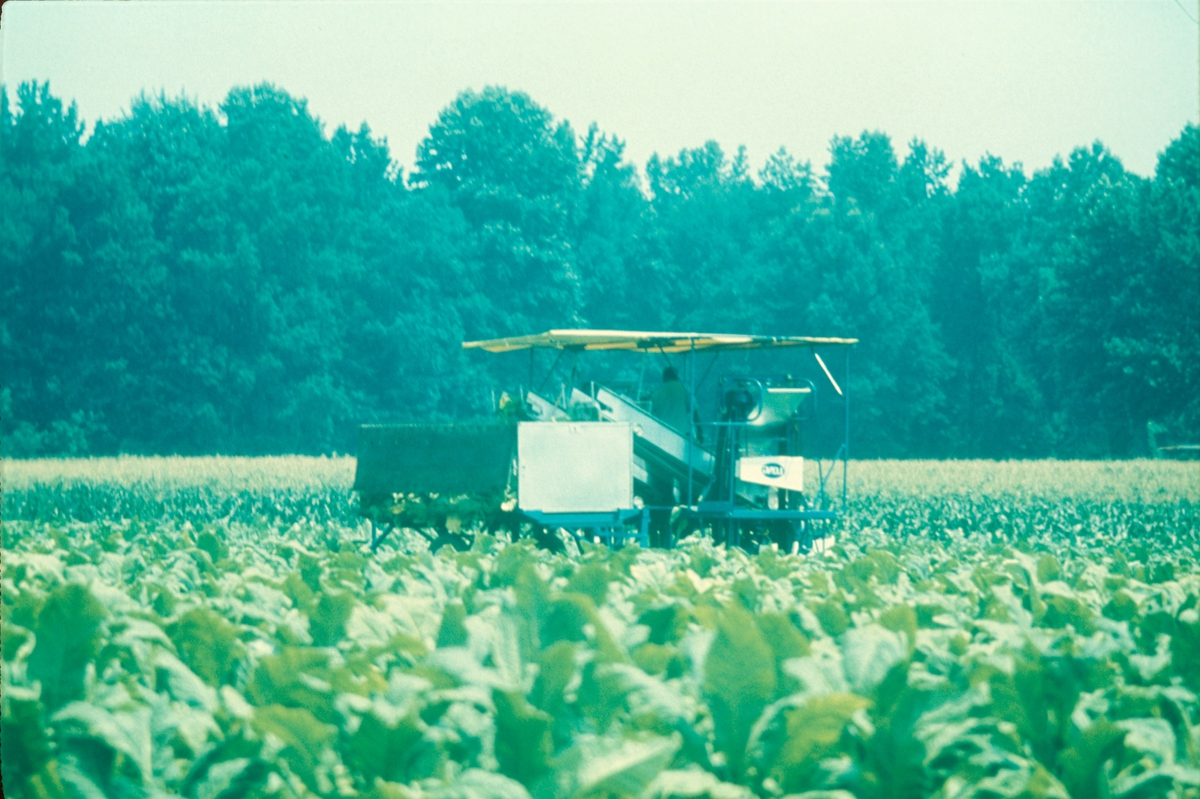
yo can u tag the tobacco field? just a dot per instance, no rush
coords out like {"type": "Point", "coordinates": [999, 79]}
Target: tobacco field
{"type": "Point", "coordinates": [216, 629]}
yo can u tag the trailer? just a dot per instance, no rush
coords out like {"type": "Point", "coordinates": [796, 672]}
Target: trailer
{"type": "Point", "coordinates": [605, 464]}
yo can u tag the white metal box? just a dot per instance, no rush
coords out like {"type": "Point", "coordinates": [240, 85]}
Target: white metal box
{"type": "Point", "coordinates": [575, 467]}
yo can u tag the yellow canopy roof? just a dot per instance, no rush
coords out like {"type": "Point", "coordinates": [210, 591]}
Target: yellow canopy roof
{"type": "Point", "coordinates": [647, 340]}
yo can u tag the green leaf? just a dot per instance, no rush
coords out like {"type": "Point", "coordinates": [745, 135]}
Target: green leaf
{"type": "Point", "coordinates": [127, 732]}
{"type": "Point", "coordinates": [668, 623]}
{"type": "Point", "coordinates": [784, 636]}
{"type": "Point", "coordinates": [1150, 666]}
{"type": "Point", "coordinates": [868, 654]}
{"type": "Point", "coordinates": [327, 620]}
{"type": "Point", "coordinates": [1030, 781]}
{"type": "Point", "coordinates": [79, 783]}
{"type": "Point", "coordinates": [573, 617]}
{"type": "Point", "coordinates": [476, 783]}
{"type": "Point", "coordinates": [556, 668]}
{"type": "Point", "coordinates": [302, 738]}
{"type": "Point", "coordinates": [591, 579]}
{"type": "Point", "coordinates": [183, 683]}
{"type": "Point", "coordinates": [214, 546]}
{"type": "Point", "coordinates": [1048, 568]}
{"type": "Point", "coordinates": [193, 728]}
{"type": "Point", "coordinates": [68, 634]}
{"type": "Point", "coordinates": [1081, 765]}
{"type": "Point", "coordinates": [452, 632]}
{"type": "Point", "coordinates": [819, 673]}
{"type": "Point", "coordinates": [1151, 736]}
{"type": "Point", "coordinates": [14, 638]}
{"type": "Point", "coordinates": [694, 784]}
{"type": "Point", "coordinates": [23, 610]}
{"type": "Point", "coordinates": [297, 677]}
{"type": "Point", "coordinates": [600, 696]}
{"type": "Point", "coordinates": [23, 738]}
{"type": "Point", "coordinates": [900, 619]}
{"type": "Point", "coordinates": [813, 731]}
{"type": "Point", "coordinates": [1038, 697]}
{"type": "Point", "coordinates": [833, 617]}
{"type": "Point", "coordinates": [523, 743]}
{"type": "Point", "coordinates": [232, 779]}
{"type": "Point", "coordinates": [655, 659]}
{"type": "Point", "coordinates": [653, 703]}
{"type": "Point", "coordinates": [1185, 647]}
{"type": "Point", "coordinates": [603, 767]}
{"type": "Point", "coordinates": [208, 644]}
{"type": "Point", "coordinates": [1122, 606]}
{"type": "Point", "coordinates": [310, 571]}
{"type": "Point", "coordinates": [385, 743]}
{"type": "Point", "coordinates": [739, 681]}
{"type": "Point", "coordinates": [1063, 607]}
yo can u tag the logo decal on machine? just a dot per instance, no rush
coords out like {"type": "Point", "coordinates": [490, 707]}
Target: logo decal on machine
{"type": "Point", "coordinates": [773, 470]}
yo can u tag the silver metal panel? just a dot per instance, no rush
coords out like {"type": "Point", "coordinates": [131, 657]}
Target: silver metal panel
{"type": "Point", "coordinates": [653, 431]}
{"type": "Point", "coordinates": [544, 409]}
{"type": "Point", "coordinates": [574, 467]}
{"type": "Point", "coordinates": [779, 404]}
{"type": "Point", "coordinates": [639, 470]}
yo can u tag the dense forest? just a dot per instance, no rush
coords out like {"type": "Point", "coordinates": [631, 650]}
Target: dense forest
{"type": "Point", "coordinates": [236, 280]}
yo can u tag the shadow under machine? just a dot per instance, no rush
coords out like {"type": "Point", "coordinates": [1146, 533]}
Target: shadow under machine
{"type": "Point", "coordinates": [598, 461]}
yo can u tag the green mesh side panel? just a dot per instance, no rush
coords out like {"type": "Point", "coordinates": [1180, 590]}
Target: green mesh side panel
{"type": "Point", "coordinates": [441, 458]}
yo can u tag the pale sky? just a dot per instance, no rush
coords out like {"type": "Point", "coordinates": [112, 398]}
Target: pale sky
{"type": "Point", "coordinates": [1022, 80]}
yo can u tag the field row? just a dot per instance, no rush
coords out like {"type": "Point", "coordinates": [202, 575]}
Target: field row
{"type": "Point", "coordinates": [894, 495]}
{"type": "Point", "coordinates": [214, 629]}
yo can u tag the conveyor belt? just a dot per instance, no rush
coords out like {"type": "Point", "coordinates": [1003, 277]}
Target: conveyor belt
{"type": "Point", "coordinates": [658, 444]}
{"type": "Point", "coordinates": [544, 409]}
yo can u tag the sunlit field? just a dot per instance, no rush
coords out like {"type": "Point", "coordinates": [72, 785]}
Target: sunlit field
{"type": "Point", "coordinates": [281, 487]}
{"type": "Point", "coordinates": [215, 627]}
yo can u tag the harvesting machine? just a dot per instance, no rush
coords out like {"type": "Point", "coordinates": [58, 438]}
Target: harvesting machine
{"type": "Point", "coordinates": [607, 464]}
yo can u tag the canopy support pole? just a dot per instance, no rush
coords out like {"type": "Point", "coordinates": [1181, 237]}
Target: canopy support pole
{"type": "Point", "coordinates": [846, 429]}
{"type": "Point", "coordinates": [549, 374]}
{"type": "Point", "coordinates": [691, 414]}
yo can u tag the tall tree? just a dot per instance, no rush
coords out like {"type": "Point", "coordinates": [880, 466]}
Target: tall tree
{"type": "Point", "coordinates": [1166, 360]}
{"type": "Point", "coordinates": [986, 312]}
{"type": "Point", "coordinates": [1086, 252]}
{"type": "Point", "coordinates": [41, 270]}
{"type": "Point", "coordinates": [514, 172]}
{"type": "Point", "coordinates": [236, 280]}
{"type": "Point", "coordinates": [705, 215]}
{"type": "Point", "coordinates": [854, 276]}
{"type": "Point", "coordinates": [619, 268]}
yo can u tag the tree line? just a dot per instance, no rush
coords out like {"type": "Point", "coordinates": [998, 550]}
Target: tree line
{"type": "Point", "coordinates": [233, 280]}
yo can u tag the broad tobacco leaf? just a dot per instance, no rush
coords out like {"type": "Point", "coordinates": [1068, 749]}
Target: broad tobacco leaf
{"type": "Point", "coordinates": [385, 742]}
{"type": "Point", "coordinates": [523, 737]}
{"type": "Point", "coordinates": [739, 681]}
{"type": "Point", "coordinates": [694, 784]}
{"type": "Point", "coordinates": [601, 767]}
{"type": "Point", "coordinates": [813, 731]}
{"type": "Point", "coordinates": [208, 644]}
{"type": "Point", "coordinates": [297, 737]}
{"type": "Point", "coordinates": [68, 636]}
{"type": "Point", "coordinates": [868, 654]}
{"type": "Point", "coordinates": [123, 731]}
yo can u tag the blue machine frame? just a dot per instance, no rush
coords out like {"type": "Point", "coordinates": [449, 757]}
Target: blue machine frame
{"type": "Point", "coordinates": [615, 529]}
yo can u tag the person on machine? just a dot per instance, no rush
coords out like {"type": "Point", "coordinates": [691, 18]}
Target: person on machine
{"type": "Point", "coordinates": [670, 402]}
